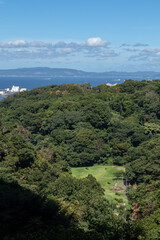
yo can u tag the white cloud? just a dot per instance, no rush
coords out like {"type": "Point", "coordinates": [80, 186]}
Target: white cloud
{"type": "Point", "coordinates": [93, 47]}
{"type": "Point", "coordinates": [107, 53]}
{"type": "Point", "coordinates": [17, 43]}
{"type": "Point", "coordinates": [150, 52]}
{"type": "Point", "coordinates": [125, 45]}
{"type": "Point", "coordinates": [96, 42]}
{"type": "Point", "coordinates": [147, 55]}
{"type": "Point", "coordinates": [24, 43]}
{"type": "Point", "coordinates": [136, 45]}
{"type": "Point", "coordinates": [39, 44]}
{"type": "Point", "coordinates": [140, 45]}
{"type": "Point", "coordinates": [66, 50]}
{"type": "Point", "coordinates": [19, 50]}
{"type": "Point", "coordinates": [131, 49]}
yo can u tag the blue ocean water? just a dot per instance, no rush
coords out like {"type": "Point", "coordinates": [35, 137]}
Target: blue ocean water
{"type": "Point", "coordinates": [30, 83]}
{"type": "Point", "coordinates": [33, 82]}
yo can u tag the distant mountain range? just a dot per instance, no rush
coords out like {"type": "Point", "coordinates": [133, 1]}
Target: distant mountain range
{"type": "Point", "coordinates": [64, 72]}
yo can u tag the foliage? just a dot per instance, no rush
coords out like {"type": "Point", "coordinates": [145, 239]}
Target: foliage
{"type": "Point", "coordinates": [145, 200]}
{"type": "Point", "coordinates": [45, 131]}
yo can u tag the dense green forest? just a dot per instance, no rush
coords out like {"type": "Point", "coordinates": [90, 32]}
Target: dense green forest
{"type": "Point", "coordinates": [46, 131]}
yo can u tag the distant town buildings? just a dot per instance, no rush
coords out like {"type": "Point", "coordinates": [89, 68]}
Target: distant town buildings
{"type": "Point", "coordinates": [111, 85]}
{"type": "Point", "coordinates": [15, 89]}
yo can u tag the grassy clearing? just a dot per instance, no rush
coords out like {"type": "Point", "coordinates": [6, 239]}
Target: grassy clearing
{"type": "Point", "coordinates": [110, 178]}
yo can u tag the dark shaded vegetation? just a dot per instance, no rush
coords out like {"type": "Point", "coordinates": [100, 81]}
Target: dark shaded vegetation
{"type": "Point", "coordinates": [45, 131]}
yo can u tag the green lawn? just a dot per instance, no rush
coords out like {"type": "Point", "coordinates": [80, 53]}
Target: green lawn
{"type": "Point", "coordinates": [110, 178]}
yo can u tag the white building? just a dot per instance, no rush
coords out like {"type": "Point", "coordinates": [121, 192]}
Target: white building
{"type": "Point", "coordinates": [111, 85]}
{"type": "Point", "coordinates": [23, 89]}
{"type": "Point", "coordinates": [15, 89]}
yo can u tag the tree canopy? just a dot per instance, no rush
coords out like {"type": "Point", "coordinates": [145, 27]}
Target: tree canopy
{"type": "Point", "coordinates": [46, 131]}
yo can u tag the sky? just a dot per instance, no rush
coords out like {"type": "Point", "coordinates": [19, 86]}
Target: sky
{"type": "Point", "coordinates": [89, 35]}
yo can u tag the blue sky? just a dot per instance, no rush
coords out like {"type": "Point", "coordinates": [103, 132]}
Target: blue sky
{"type": "Point", "coordinates": [91, 35]}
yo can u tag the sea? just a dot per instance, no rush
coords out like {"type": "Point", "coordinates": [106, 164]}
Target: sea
{"type": "Point", "coordinates": [33, 82]}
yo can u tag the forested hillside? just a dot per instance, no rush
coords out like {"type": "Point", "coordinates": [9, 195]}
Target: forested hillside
{"type": "Point", "coordinates": [46, 131]}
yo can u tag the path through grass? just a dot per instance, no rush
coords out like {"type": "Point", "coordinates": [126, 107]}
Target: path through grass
{"type": "Point", "coordinates": [110, 178]}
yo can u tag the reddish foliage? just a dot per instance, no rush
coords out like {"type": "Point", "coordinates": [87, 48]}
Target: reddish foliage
{"type": "Point", "coordinates": [64, 92]}
{"type": "Point", "coordinates": [58, 92]}
{"type": "Point", "coordinates": [136, 211]}
{"type": "Point", "coordinates": [118, 90]}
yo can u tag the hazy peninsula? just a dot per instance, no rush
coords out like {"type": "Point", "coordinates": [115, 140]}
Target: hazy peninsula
{"type": "Point", "coordinates": [66, 72]}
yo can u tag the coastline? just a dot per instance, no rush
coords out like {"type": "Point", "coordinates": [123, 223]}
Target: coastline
{"type": "Point", "coordinates": [8, 92]}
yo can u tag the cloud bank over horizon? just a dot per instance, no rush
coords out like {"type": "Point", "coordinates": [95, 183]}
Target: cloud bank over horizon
{"type": "Point", "coordinates": [92, 47]}
{"type": "Point", "coordinates": [92, 50]}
